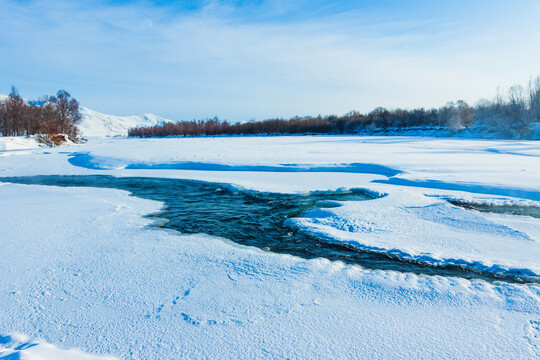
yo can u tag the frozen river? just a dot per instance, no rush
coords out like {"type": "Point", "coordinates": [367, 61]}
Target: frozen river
{"type": "Point", "coordinates": [257, 219]}
{"type": "Point", "coordinates": [356, 247]}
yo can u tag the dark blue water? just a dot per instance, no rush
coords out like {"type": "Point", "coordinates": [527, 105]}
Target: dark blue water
{"type": "Point", "coordinates": [256, 219]}
{"type": "Point", "coordinates": [522, 210]}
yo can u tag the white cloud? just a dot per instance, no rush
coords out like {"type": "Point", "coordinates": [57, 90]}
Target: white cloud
{"type": "Point", "coordinates": [138, 58]}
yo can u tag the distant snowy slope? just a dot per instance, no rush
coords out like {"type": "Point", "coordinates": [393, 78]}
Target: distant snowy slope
{"type": "Point", "coordinates": [94, 123]}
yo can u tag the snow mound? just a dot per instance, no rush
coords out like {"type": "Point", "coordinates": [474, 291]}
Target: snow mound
{"type": "Point", "coordinates": [96, 124]}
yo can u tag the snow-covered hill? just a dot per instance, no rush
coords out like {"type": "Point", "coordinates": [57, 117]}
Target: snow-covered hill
{"type": "Point", "coordinates": [96, 124]}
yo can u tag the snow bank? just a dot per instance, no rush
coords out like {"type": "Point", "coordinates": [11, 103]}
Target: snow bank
{"type": "Point", "coordinates": [81, 269]}
{"type": "Point", "coordinates": [411, 225]}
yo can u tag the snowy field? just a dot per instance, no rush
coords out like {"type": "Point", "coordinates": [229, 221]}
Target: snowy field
{"type": "Point", "coordinates": [81, 268]}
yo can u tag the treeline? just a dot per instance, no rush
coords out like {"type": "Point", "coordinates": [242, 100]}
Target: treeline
{"type": "Point", "coordinates": [510, 115]}
{"type": "Point", "coordinates": [48, 115]}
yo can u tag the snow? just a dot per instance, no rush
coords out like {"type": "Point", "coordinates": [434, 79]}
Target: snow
{"type": "Point", "coordinates": [20, 346]}
{"type": "Point", "coordinates": [96, 124]}
{"type": "Point", "coordinates": [80, 268]}
{"type": "Point", "coordinates": [413, 222]}
{"type": "Point", "coordinates": [8, 143]}
{"type": "Point", "coordinates": [427, 229]}
{"type": "Point", "coordinates": [499, 167]}
{"type": "Point", "coordinates": [83, 270]}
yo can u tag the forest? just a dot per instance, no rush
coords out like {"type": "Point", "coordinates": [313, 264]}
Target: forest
{"type": "Point", "coordinates": [509, 115]}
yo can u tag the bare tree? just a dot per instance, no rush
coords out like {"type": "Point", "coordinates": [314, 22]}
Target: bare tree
{"type": "Point", "coordinates": [465, 113]}
{"type": "Point", "coordinates": [68, 113]}
{"type": "Point", "coordinates": [516, 97]}
{"type": "Point", "coordinates": [15, 111]}
{"type": "Point", "coordinates": [48, 119]}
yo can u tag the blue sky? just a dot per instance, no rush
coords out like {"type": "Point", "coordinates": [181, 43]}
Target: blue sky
{"type": "Point", "coordinates": [244, 60]}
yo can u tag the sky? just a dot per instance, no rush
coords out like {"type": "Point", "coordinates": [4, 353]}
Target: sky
{"type": "Point", "coordinates": [243, 60]}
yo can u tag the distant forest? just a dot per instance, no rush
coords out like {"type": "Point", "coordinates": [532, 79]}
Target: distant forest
{"type": "Point", "coordinates": [511, 115]}
{"type": "Point", "coordinates": [49, 115]}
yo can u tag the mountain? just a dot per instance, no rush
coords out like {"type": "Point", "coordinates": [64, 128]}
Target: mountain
{"type": "Point", "coordinates": [94, 123]}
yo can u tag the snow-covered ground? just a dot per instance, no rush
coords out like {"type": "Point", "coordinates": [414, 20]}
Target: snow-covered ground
{"type": "Point", "coordinates": [81, 269]}
{"type": "Point", "coordinates": [9, 143]}
{"type": "Point", "coordinates": [502, 167]}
